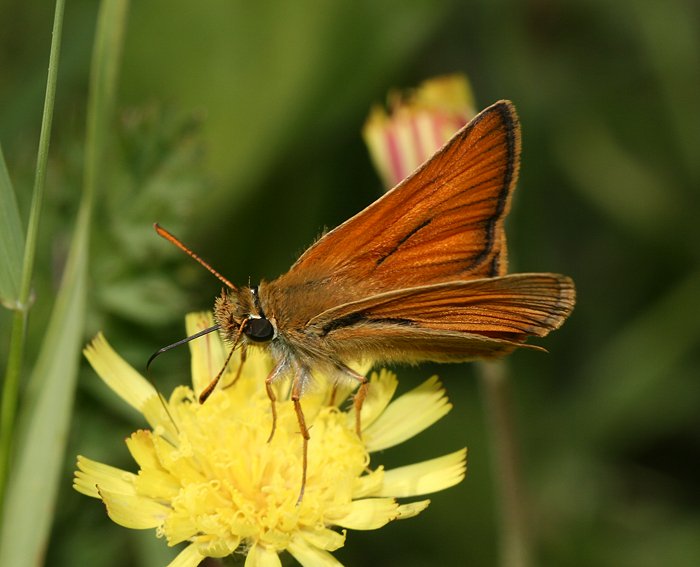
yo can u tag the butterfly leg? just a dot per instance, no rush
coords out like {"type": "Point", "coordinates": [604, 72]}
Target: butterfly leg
{"type": "Point", "coordinates": [244, 356]}
{"type": "Point", "coordinates": [210, 387]}
{"type": "Point", "coordinates": [296, 398]}
{"type": "Point", "coordinates": [276, 371]}
{"type": "Point", "coordinates": [334, 393]}
{"type": "Point", "coordinates": [360, 395]}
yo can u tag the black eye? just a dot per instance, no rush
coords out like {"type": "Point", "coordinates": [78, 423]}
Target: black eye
{"type": "Point", "coordinates": [259, 330]}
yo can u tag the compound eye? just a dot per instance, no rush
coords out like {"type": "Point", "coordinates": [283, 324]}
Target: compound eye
{"type": "Point", "coordinates": [259, 330]}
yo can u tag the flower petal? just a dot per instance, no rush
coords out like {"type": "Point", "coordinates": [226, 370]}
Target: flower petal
{"type": "Point", "coordinates": [133, 511]}
{"type": "Point", "coordinates": [408, 415]}
{"type": "Point", "coordinates": [213, 546]}
{"type": "Point", "coordinates": [310, 556]}
{"type": "Point", "coordinates": [158, 415]}
{"type": "Point", "coordinates": [91, 474]}
{"type": "Point", "coordinates": [412, 509]}
{"type": "Point", "coordinates": [426, 477]}
{"type": "Point", "coordinates": [367, 514]}
{"type": "Point", "coordinates": [188, 557]}
{"type": "Point", "coordinates": [208, 352]}
{"type": "Point", "coordinates": [324, 538]}
{"type": "Point", "coordinates": [369, 484]}
{"type": "Point", "coordinates": [157, 483]}
{"type": "Point", "coordinates": [261, 556]}
{"type": "Point", "coordinates": [118, 374]}
{"type": "Point", "coordinates": [140, 446]}
{"type": "Point", "coordinates": [448, 94]}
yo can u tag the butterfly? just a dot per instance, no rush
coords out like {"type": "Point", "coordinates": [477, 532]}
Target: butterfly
{"type": "Point", "coordinates": [418, 275]}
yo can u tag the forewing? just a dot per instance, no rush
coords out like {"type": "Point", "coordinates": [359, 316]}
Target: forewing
{"type": "Point", "coordinates": [443, 223]}
{"type": "Point", "coordinates": [484, 315]}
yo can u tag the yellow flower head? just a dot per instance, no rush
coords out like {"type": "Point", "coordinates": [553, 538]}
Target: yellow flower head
{"type": "Point", "coordinates": [208, 475]}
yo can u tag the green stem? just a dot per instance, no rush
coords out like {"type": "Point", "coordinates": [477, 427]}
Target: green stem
{"type": "Point", "coordinates": [13, 370]}
{"type": "Point", "coordinates": [515, 541]}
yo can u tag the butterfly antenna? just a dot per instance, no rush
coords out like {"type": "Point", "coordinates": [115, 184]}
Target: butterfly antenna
{"type": "Point", "coordinates": [180, 342]}
{"type": "Point", "coordinates": [163, 402]}
{"type": "Point", "coordinates": [172, 239]}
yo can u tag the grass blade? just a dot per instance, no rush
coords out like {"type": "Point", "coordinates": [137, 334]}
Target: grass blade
{"type": "Point", "coordinates": [33, 484]}
{"type": "Point", "coordinates": [18, 334]}
{"type": "Point", "coordinates": [11, 241]}
{"type": "Point", "coordinates": [46, 419]}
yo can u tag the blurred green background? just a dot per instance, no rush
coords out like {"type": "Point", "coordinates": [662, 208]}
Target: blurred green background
{"type": "Point", "coordinates": [238, 128]}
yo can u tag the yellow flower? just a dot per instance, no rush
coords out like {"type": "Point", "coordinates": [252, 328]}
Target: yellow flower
{"type": "Point", "coordinates": [419, 124]}
{"type": "Point", "coordinates": [208, 476]}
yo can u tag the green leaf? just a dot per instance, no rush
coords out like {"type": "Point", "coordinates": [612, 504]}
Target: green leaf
{"type": "Point", "coordinates": [11, 241]}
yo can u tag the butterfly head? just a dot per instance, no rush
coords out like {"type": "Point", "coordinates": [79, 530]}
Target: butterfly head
{"type": "Point", "coordinates": [238, 312]}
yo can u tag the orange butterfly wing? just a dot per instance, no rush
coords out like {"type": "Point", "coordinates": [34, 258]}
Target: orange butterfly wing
{"type": "Point", "coordinates": [449, 321]}
{"type": "Point", "coordinates": [443, 223]}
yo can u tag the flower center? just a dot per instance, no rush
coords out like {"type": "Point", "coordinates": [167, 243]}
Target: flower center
{"type": "Point", "coordinates": [233, 483]}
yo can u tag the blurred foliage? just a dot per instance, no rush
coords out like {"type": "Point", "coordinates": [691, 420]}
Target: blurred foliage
{"type": "Point", "coordinates": [239, 130]}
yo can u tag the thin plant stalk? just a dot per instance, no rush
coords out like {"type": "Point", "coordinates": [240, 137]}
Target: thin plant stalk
{"type": "Point", "coordinates": [18, 334]}
{"type": "Point", "coordinates": [514, 535]}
